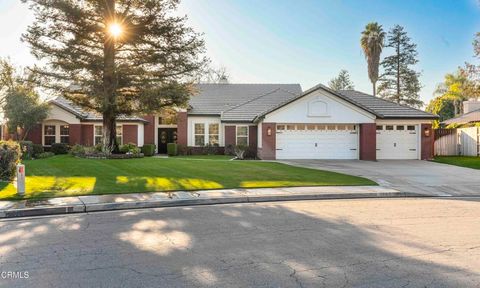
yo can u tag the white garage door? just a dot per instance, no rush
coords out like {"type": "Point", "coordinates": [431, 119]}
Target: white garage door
{"type": "Point", "coordinates": [317, 141]}
{"type": "Point", "coordinates": [397, 142]}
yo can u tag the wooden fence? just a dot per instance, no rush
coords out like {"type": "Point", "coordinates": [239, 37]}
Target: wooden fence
{"type": "Point", "coordinates": [460, 141]}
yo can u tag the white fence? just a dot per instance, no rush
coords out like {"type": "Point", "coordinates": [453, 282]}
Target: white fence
{"type": "Point", "coordinates": [460, 141]}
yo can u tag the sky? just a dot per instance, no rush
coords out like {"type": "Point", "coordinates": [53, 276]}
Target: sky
{"type": "Point", "coordinates": [303, 41]}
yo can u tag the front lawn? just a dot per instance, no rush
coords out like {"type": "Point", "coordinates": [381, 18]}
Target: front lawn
{"type": "Point", "coordinates": [464, 161]}
{"type": "Point", "coordinates": [68, 176]}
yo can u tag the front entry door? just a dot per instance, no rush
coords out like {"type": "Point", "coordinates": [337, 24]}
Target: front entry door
{"type": "Point", "coordinates": [165, 136]}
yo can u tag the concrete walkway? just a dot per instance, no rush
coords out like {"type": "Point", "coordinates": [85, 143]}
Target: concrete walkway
{"type": "Point", "coordinates": [83, 204]}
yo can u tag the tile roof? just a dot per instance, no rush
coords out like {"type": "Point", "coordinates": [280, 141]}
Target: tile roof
{"type": "Point", "coordinates": [381, 108]}
{"type": "Point", "coordinates": [85, 115]}
{"type": "Point", "coordinates": [384, 108]}
{"type": "Point", "coordinates": [213, 99]}
{"type": "Point", "coordinates": [472, 116]}
{"type": "Point", "coordinates": [248, 110]}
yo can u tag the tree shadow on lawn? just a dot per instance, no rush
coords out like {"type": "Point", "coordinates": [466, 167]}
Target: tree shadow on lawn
{"type": "Point", "coordinates": [104, 177]}
{"type": "Point", "coordinates": [222, 246]}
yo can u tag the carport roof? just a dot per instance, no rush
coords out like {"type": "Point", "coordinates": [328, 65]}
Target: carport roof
{"type": "Point", "coordinates": [379, 107]}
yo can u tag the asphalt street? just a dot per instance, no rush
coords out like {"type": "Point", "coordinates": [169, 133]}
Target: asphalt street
{"type": "Point", "coordinates": [341, 243]}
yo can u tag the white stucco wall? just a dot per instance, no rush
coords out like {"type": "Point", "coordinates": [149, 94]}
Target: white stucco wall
{"type": "Point", "coordinates": [320, 107]}
{"type": "Point", "coordinates": [259, 135]}
{"type": "Point", "coordinates": [140, 135]}
{"type": "Point", "coordinates": [57, 113]}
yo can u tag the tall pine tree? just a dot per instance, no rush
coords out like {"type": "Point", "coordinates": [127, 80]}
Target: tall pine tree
{"type": "Point", "coordinates": [341, 82]}
{"type": "Point", "coordinates": [115, 56]}
{"type": "Point", "coordinates": [399, 82]}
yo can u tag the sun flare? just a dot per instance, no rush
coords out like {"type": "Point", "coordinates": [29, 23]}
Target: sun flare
{"type": "Point", "coordinates": [115, 29]}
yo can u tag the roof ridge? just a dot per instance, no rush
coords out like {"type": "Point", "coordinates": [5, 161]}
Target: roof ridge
{"type": "Point", "coordinates": [255, 98]}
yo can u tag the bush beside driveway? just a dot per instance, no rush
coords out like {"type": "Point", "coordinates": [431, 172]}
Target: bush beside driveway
{"type": "Point", "coordinates": [66, 175]}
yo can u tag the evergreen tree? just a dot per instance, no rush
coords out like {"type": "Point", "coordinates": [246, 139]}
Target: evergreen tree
{"type": "Point", "coordinates": [341, 82]}
{"type": "Point", "coordinates": [399, 82]}
{"type": "Point", "coordinates": [115, 56]}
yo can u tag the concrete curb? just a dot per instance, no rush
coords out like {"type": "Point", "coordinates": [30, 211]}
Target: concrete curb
{"type": "Point", "coordinates": [85, 204]}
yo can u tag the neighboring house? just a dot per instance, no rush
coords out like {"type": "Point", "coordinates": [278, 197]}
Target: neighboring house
{"type": "Point", "coordinates": [471, 114]}
{"type": "Point", "coordinates": [279, 121]}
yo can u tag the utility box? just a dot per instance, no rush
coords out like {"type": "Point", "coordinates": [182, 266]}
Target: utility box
{"type": "Point", "coordinates": [21, 179]}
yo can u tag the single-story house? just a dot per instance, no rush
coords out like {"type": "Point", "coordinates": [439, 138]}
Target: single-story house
{"type": "Point", "coordinates": [279, 121]}
{"type": "Point", "coordinates": [471, 114]}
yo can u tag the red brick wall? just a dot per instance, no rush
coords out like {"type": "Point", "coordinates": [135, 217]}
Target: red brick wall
{"type": "Point", "coordinates": [149, 132]}
{"type": "Point", "coordinates": [87, 134]}
{"type": "Point", "coordinates": [368, 141]}
{"type": "Point", "coordinates": [427, 142]}
{"type": "Point", "coordinates": [182, 128]}
{"type": "Point", "coordinates": [35, 134]}
{"type": "Point", "coordinates": [75, 134]}
{"type": "Point", "coordinates": [252, 137]}
{"type": "Point", "coordinates": [130, 134]}
{"type": "Point", "coordinates": [268, 150]}
{"type": "Point", "coordinates": [230, 135]}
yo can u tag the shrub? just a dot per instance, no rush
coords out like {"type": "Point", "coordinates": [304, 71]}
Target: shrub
{"type": "Point", "coordinates": [27, 149]}
{"type": "Point", "coordinates": [77, 150]}
{"type": "Point", "coordinates": [172, 149]}
{"type": "Point", "coordinates": [129, 148]}
{"type": "Point", "coordinates": [240, 151]}
{"type": "Point", "coordinates": [98, 148]}
{"type": "Point", "coordinates": [148, 149]}
{"type": "Point", "coordinates": [183, 150]}
{"type": "Point", "coordinates": [45, 155]}
{"type": "Point", "coordinates": [209, 149]}
{"type": "Point", "coordinates": [37, 149]}
{"type": "Point", "coordinates": [10, 154]}
{"type": "Point", "coordinates": [230, 149]}
{"type": "Point", "coordinates": [59, 148]}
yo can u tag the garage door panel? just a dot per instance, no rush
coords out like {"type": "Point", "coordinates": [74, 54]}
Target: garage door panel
{"type": "Point", "coordinates": [397, 143]}
{"type": "Point", "coordinates": [317, 144]}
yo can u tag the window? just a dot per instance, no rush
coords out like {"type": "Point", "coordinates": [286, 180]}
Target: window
{"type": "Point", "coordinates": [49, 134]}
{"type": "Point", "coordinates": [389, 127]}
{"type": "Point", "coordinates": [310, 127]}
{"type": "Point", "coordinates": [199, 134]}
{"type": "Point", "coordinates": [411, 127]}
{"type": "Point", "coordinates": [280, 127]}
{"type": "Point", "coordinates": [213, 132]}
{"type": "Point", "coordinates": [301, 127]}
{"type": "Point", "coordinates": [119, 133]}
{"type": "Point", "coordinates": [321, 127]}
{"type": "Point", "coordinates": [98, 134]}
{"type": "Point", "coordinates": [330, 127]}
{"type": "Point", "coordinates": [350, 127]}
{"type": "Point", "coordinates": [64, 134]}
{"type": "Point", "coordinates": [379, 127]}
{"type": "Point", "coordinates": [341, 127]}
{"type": "Point", "coordinates": [242, 135]}
{"type": "Point", "coordinates": [290, 127]}
{"type": "Point", "coordinates": [400, 127]}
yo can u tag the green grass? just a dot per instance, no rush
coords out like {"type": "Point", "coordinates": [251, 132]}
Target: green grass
{"type": "Point", "coordinates": [464, 161]}
{"type": "Point", "coordinates": [68, 176]}
{"type": "Point", "coordinates": [205, 157]}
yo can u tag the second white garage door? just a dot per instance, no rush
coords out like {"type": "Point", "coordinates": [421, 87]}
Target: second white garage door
{"type": "Point", "coordinates": [317, 141]}
{"type": "Point", "coordinates": [397, 142]}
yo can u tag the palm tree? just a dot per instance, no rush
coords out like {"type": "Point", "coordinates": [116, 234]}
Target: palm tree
{"type": "Point", "coordinates": [372, 45]}
{"type": "Point", "coordinates": [453, 88]}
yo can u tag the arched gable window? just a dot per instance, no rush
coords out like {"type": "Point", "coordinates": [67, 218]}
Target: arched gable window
{"type": "Point", "coordinates": [317, 108]}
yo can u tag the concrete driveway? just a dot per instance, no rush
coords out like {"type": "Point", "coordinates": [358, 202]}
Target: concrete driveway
{"type": "Point", "coordinates": [406, 175]}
